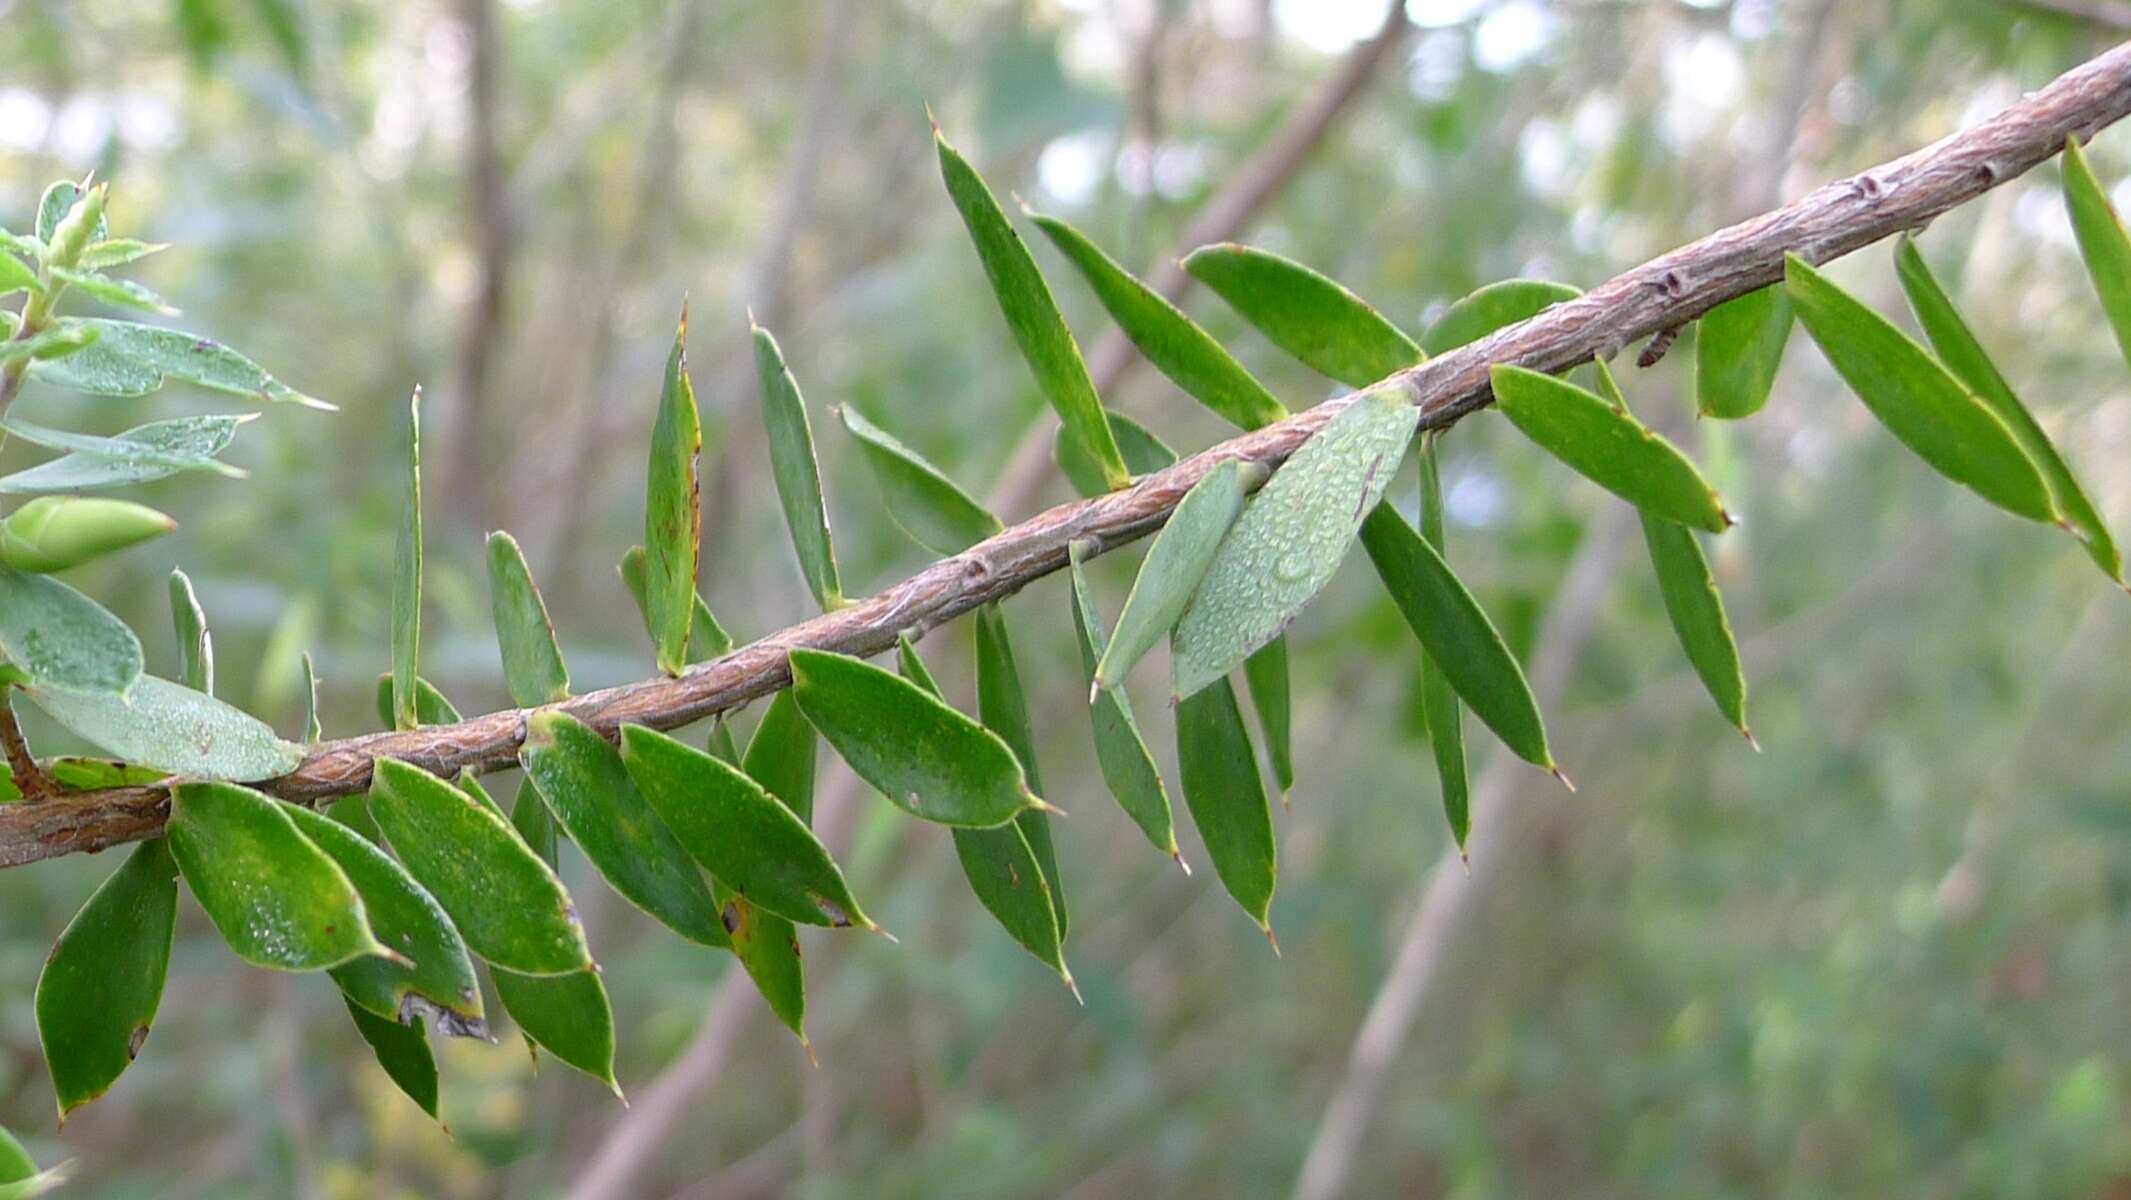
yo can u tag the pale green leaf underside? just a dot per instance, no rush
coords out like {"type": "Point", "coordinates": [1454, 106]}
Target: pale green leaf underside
{"type": "Point", "coordinates": [1175, 563]}
{"type": "Point", "coordinates": [1121, 752]}
{"type": "Point", "coordinates": [131, 359]}
{"type": "Point", "coordinates": [174, 729]}
{"type": "Point", "coordinates": [1291, 538]}
{"type": "Point", "coordinates": [60, 638]}
{"type": "Point", "coordinates": [146, 452]}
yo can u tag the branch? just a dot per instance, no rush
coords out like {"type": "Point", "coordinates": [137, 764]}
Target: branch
{"type": "Point", "coordinates": [1837, 218]}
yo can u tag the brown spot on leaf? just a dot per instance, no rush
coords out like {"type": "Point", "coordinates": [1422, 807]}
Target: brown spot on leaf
{"type": "Point", "coordinates": [135, 1040]}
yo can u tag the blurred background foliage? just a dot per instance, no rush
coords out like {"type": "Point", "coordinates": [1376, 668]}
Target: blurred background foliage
{"type": "Point", "coordinates": [1884, 957]}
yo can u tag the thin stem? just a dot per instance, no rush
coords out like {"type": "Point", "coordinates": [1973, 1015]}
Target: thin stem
{"type": "Point", "coordinates": [30, 779]}
{"type": "Point", "coordinates": [1832, 221]}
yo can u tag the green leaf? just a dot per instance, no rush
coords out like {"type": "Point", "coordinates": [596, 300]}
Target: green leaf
{"type": "Point", "coordinates": [1439, 700]}
{"type": "Point", "coordinates": [532, 662]}
{"type": "Point", "coordinates": [146, 452]}
{"type": "Point", "coordinates": [706, 638]}
{"type": "Point", "coordinates": [923, 501]}
{"type": "Point", "coordinates": [196, 647]}
{"type": "Point", "coordinates": [797, 475]}
{"type": "Point", "coordinates": [1962, 354]}
{"type": "Point", "coordinates": [278, 900]}
{"type": "Point", "coordinates": [103, 981]}
{"type": "Point", "coordinates": [117, 252]}
{"type": "Point", "coordinates": [767, 946]}
{"type": "Point", "coordinates": [721, 741]}
{"type": "Point", "coordinates": [171, 727]}
{"type": "Point", "coordinates": [1738, 346]}
{"type": "Point", "coordinates": [1002, 707]}
{"type": "Point", "coordinates": [2102, 240]}
{"type": "Point", "coordinates": [673, 511]}
{"type": "Point", "coordinates": [66, 336]}
{"type": "Point", "coordinates": [1120, 752]}
{"type": "Point", "coordinates": [131, 359]}
{"type": "Point", "coordinates": [15, 276]}
{"type": "Point", "coordinates": [78, 773]}
{"type": "Point", "coordinates": [28, 247]}
{"type": "Point", "coordinates": [1008, 879]}
{"type": "Point", "coordinates": [1329, 328]}
{"type": "Point", "coordinates": [58, 201]}
{"type": "Point", "coordinates": [1266, 673]}
{"type": "Point", "coordinates": [61, 638]}
{"type": "Point", "coordinates": [1175, 564]}
{"type": "Point", "coordinates": [913, 668]}
{"type": "Point", "coordinates": [924, 756]}
{"type": "Point", "coordinates": [1608, 446]}
{"type": "Point", "coordinates": [566, 1015]}
{"type": "Point", "coordinates": [1692, 603]}
{"type": "Point", "coordinates": [54, 533]}
{"type": "Point", "coordinates": [1490, 308]}
{"type": "Point", "coordinates": [354, 812]}
{"type": "Point", "coordinates": [1145, 453]}
{"type": "Point", "coordinates": [1457, 636]}
{"type": "Point", "coordinates": [403, 1051]}
{"type": "Point", "coordinates": [1289, 541]}
{"type": "Point", "coordinates": [1039, 330]}
{"type": "Point", "coordinates": [407, 578]}
{"type": "Point", "coordinates": [1918, 400]}
{"type": "Point", "coordinates": [123, 293]}
{"type": "Point", "coordinates": [430, 706]}
{"type": "Point", "coordinates": [1697, 614]}
{"type": "Point", "coordinates": [15, 1162]}
{"type": "Point", "coordinates": [591, 795]}
{"type": "Point", "coordinates": [82, 773]}
{"type": "Point", "coordinates": [1002, 868]}
{"type": "Point", "coordinates": [1177, 347]}
{"type": "Point", "coordinates": [9, 793]}
{"type": "Point", "coordinates": [1219, 771]}
{"type": "Point", "coordinates": [739, 832]}
{"type": "Point", "coordinates": [124, 451]}
{"type": "Point", "coordinates": [505, 901]}
{"type": "Point", "coordinates": [780, 755]}
{"type": "Point", "coordinates": [434, 979]}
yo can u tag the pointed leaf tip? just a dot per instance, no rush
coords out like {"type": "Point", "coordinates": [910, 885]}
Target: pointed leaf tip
{"type": "Point", "coordinates": [1608, 446]}
{"type": "Point", "coordinates": [1032, 316]}
{"type": "Point", "coordinates": [1922, 403]}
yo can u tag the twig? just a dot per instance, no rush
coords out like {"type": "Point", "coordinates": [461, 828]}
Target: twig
{"type": "Point", "coordinates": [29, 777]}
{"type": "Point", "coordinates": [1835, 219]}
